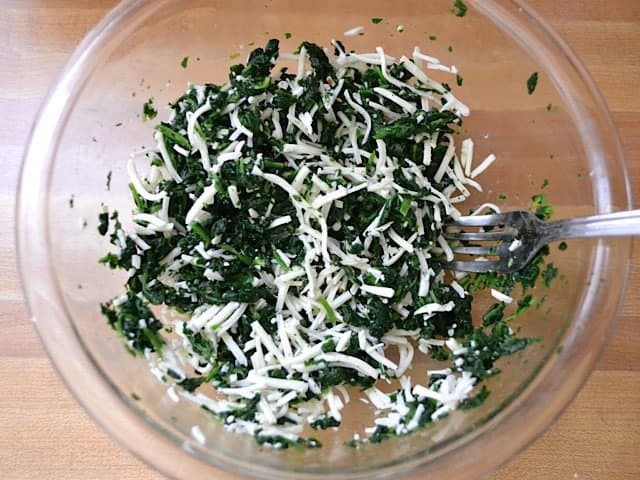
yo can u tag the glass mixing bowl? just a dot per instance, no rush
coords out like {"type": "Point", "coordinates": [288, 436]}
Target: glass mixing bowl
{"type": "Point", "coordinates": [90, 122]}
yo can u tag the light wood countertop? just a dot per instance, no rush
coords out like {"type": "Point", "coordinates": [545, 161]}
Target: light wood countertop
{"type": "Point", "coordinates": [45, 434]}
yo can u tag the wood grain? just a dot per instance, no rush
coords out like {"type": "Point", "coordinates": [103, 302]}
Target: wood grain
{"type": "Point", "coordinates": [45, 434]}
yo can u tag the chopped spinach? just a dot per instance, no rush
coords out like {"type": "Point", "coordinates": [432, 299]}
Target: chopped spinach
{"type": "Point", "coordinates": [549, 274]}
{"type": "Point", "coordinates": [149, 112]}
{"type": "Point", "coordinates": [532, 83]}
{"type": "Point", "coordinates": [284, 442]}
{"type": "Point", "coordinates": [324, 422]}
{"type": "Point", "coordinates": [230, 212]}
{"type": "Point", "coordinates": [133, 321]}
{"type": "Point", "coordinates": [103, 223]}
{"type": "Point", "coordinates": [475, 401]}
{"type": "Point", "coordinates": [541, 206]}
{"type": "Point", "coordinates": [459, 8]}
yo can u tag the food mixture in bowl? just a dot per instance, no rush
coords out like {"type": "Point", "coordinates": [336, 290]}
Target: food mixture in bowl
{"type": "Point", "coordinates": [286, 244]}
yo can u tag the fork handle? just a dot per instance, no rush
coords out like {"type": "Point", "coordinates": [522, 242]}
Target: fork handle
{"type": "Point", "coordinates": [617, 224]}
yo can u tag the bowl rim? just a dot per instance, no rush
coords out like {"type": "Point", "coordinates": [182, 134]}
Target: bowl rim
{"type": "Point", "coordinates": [43, 297]}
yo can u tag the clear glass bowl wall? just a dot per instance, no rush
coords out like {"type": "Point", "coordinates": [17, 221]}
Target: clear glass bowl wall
{"type": "Point", "coordinates": [91, 122]}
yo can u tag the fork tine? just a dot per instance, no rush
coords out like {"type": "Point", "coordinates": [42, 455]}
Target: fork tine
{"type": "Point", "coordinates": [506, 234]}
{"type": "Point", "coordinates": [478, 220]}
{"type": "Point", "coordinates": [474, 267]}
{"type": "Point", "coordinates": [475, 250]}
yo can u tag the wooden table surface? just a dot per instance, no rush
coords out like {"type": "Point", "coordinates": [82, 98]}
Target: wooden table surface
{"type": "Point", "coordinates": [44, 434]}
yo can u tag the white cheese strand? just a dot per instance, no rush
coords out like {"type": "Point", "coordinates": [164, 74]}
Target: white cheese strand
{"type": "Point", "coordinates": [137, 183]}
{"type": "Point", "coordinates": [166, 158]}
{"type": "Point", "coordinates": [205, 198]}
{"type": "Point", "coordinates": [406, 106]}
{"type": "Point", "coordinates": [362, 112]}
{"type": "Point", "coordinates": [194, 138]}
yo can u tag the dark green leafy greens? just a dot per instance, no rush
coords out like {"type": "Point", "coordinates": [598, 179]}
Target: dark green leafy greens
{"type": "Point", "coordinates": [103, 223]}
{"type": "Point", "coordinates": [532, 83]}
{"type": "Point", "coordinates": [149, 112]}
{"type": "Point", "coordinates": [135, 323]}
{"type": "Point", "coordinates": [300, 215]}
{"type": "Point", "coordinates": [459, 8]}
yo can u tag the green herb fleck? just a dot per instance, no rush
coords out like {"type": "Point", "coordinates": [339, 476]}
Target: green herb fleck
{"type": "Point", "coordinates": [532, 83]}
{"type": "Point", "coordinates": [541, 206]}
{"type": "Point", "coordinates": [185, 62]}
{"type": "Point", "coordinates": [376, 20]}
{"type": "Point", "coordinates": [476, 400]}
{"type": "Point", "coordinates": [287, 35]}
{"type": "Point", "coordinates": [459, 8]}
{"type": "Point", "coordinates": [331, 314]}
{"type": "Point", "coordinates": [324, 422]}
{"type": "Point", "coordinates": [433, 37]}
{"type": "Point", "coordinates": [149, 112]}
{"type": "Point", "coordinates": [502, 197]}
{"type": "Point", "coordinates": [459, 80]}
{"type": "Point", "coordinates": [494, 314]}
{"type": "Point", "coordinates": [191, 384]}
{"type": "Point", "coordinates": [545, 184]}
{"type": "Point", "coordinates": [524, 304]}
{"type": "Point", "coordinates": [135, 396]}
{"type": "Point", "coordinates": [234, 56]}
{"type": "Point", "coordinates": [549, 274]}
{"type": "Point", "coordinates": [284, 443]}
{"type": "Point", "coordinates": [562, 246]}
{"type": "Point", "coordinates": [450, 48]}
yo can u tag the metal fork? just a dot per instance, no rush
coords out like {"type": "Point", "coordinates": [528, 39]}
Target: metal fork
{"type": "Point", "coordinates": [517, 236]}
